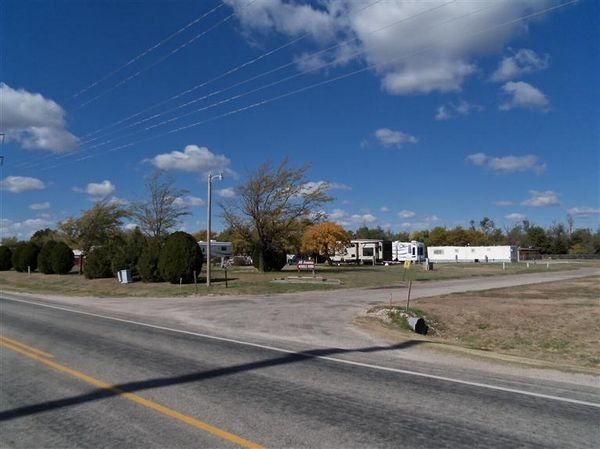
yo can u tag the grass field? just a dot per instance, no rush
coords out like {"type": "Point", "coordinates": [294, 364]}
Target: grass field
{"type": "Point", "coordinates": [246, 280]}
{"type": "Point", "coordinates": [557, 322]}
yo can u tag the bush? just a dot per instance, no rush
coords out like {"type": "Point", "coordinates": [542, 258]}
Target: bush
{"type": "Point", "coordinates": [25, 256]}
{"type": "Point", "coordinates": [98, 264]}
{"type": "Point", "coordinates": [127, 251]}
{"type": "Point", "coordinates": [44, 257]}
{"type": "Point", "coordinates": [274, 260]}
{"type": "Point", "coordinates": [62, 258]}
{"type": "Point", "coordinates": [5, 258]}
{"type": "Point", "coordinates": [179, 258]}
{"type": "Point", "coordinates": [148, 263]}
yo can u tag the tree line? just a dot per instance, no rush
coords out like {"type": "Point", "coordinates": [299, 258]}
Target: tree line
{"type": "Point", "coordinates": [275, 212]}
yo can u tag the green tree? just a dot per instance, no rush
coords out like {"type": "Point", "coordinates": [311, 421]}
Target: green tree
{"type": "Point", "coordinates": [25, 256]}
{"type": "Point", "coordinates": [98, 263]}
{"type": "Point", "coordinates": [179, 258]}
{"type": "Point", "coordinates": [127, 249]}
{"type": "Point", "coordinates": [535, 237]}
{"type": "Point", "coordinates": [558, 239]}
{"type": "Point", "coordinates": [160, 212]}
{"type": "Point", "coordinates": [269, 205]}
{"type": "Point", "coordinates": [11, 242]}
{"type": "Point", "coordinates": [95, 227]}
{"type": "Point", "coordinates": [62, 258]}
{"type": "Point", "coordinates": [44, 235]}
{"type": "Point", "coordinates": [148, 262]}
{"type": "Point", "coordinates": [5, 258]}
{"type": "Point", "coordinates": [44, 257]}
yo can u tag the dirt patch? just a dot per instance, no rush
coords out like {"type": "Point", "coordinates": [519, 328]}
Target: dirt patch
{"type": "Point", "coordinates": [556, 322]}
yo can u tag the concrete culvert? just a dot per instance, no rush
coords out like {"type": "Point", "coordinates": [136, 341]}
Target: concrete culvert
{"type": "Point", "coordinates": [418, 325]}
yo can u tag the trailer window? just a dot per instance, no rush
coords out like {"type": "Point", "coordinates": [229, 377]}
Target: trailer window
{"type": "Point", "coordinates": [368, 252]}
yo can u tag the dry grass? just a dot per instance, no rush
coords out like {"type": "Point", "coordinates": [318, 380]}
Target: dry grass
{"type": "Point", "coordinates": [557, 322]}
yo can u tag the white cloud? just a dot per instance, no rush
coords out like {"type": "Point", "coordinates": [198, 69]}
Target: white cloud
{"type": "Point", "coordinates": [389, 35]}
{"type": "Point", "coordinates": [522, 62]}
{"type": "Point", "coordinates": [508, 164]}
{"type": "Point", "coordinates": [541, 199]}
{"type": "Point", "coordinates": [34, 121]}
{"type": "Point", "coordinates": [188, 201]}
{"type": "Point", "coordinates": [25, 229]}
{"type": "Point", "coordinates": [389, 137]}
{"type": "Point", "coordinates": [528, 162]}
{"type": "Point", "coordinates": [97, 189]}
{"type": "Point", "coordinates": [477, 159]}
{"type": "Point", "coordinates": [288, 18]}
{"type": "Point", "coordinates": [503, 203]}
{"type": "Point", "coordinates": [583, 212]}
{"type": "Point", "coordinates": [193, 159]}
{"type": "Point", "coordinates": [384, 209]}
{"type": "Point", "coordinates": [226, 193]}
{"type": "Point", "coordinates": [19, 184]}
{"type": "Point", "coordinates": [40, 206]}
{"type": "Point", "coordinates": [407, 214]}
{"type": "Point", "coordinates": [452, 110]}
{"type": "Point", "coordinates": [346, 219]}
{"type": "Point", "coordinates": [515, 217]}
{"type": "Point", "coordinates": [523, 95]}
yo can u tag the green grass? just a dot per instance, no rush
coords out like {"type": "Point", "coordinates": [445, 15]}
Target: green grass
{"type": "Point", "coordinates": [247, 281]}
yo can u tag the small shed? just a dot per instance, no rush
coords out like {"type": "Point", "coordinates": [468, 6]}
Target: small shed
{"type": "Point", "coordinates": [529, 254]}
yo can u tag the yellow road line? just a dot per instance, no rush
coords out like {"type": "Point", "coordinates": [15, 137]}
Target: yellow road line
{"type": "Point", "coordinates": [134, 397]}
{"type": "Point", "coordinates": [26, 347]}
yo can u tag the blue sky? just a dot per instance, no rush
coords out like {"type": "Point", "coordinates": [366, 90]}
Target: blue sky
{"type": "Point", "coordinates": [416, 114]}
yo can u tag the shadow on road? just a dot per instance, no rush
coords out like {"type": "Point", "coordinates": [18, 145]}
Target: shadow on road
{"type": "Point", "coordinates": [131, 387]}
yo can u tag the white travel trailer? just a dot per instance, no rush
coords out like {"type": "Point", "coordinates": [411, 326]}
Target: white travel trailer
{"type": "Point", "coordinates": [485, 254]}
{"type": "Point", "coordinates": [403, 251]}
{"type": "Point", "coordinates": [224, 250]}
{"type": "Point", "coordinates": [365, 251]}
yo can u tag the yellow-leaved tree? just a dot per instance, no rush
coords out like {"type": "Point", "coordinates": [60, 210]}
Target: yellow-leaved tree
{"type": "Point", "coordinates": [325, 239]}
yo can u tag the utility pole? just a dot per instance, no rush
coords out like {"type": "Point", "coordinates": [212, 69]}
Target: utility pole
{"type": "Point", "coordinates": [208, 220]}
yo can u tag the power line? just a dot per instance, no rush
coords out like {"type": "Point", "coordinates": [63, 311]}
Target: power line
{"type": "Point", "coordinates": [145, 52]}
{"type": "Point", "coordinates": [226, 73]}
{"type": "Point", "coordinates": [159, 61]}
{"type": "Point", "coordinates": [253, 78]}
{"type": "Point", "coordinates": [315, 85]}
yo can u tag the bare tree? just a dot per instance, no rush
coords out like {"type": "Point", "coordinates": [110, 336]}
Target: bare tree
{"type": "Point", "coordinates": [269, 205]}
{"type": "Point", "coordinates": [160, 212]}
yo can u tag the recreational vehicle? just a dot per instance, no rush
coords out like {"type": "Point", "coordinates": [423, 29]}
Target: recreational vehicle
{"type": "Point", "coordinates": [224, 250]}
{"type": "Point", "coordinates": [403, 251]}
{"type": "Point", "coordinates": [365, 251]}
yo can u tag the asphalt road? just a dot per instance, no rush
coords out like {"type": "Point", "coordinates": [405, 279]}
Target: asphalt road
{"type": "Point", "coordinates": [73, 379]}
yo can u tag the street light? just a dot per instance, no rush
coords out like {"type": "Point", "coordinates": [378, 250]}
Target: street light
{"type": "Point", "coordinates": [210, 178]}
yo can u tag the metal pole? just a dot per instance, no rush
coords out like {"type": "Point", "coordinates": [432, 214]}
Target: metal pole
{"type": "Point", "coordinates": [208, 220]}
{"type": "Point", "coordinates": [208, 232]}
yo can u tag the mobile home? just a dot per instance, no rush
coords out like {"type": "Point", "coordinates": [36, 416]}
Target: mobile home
{"type": "Point", "coordinates": [492, 254]}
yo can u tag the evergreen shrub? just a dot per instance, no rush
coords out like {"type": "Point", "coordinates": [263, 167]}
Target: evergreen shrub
{"type": "Point", "coordinates": [62, 258]}
{"type": "Point", "coordinates": [98, 263]}
{"type": "Point", "coordinates": [179, 258]}
{"type": "Point", "coordinates": [5, 258]}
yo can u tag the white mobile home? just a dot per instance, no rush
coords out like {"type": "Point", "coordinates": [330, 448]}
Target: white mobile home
{"type": "Point", "coordinates": [403, 251]}
{"type": "Point", "coordinates": [444, 254]}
